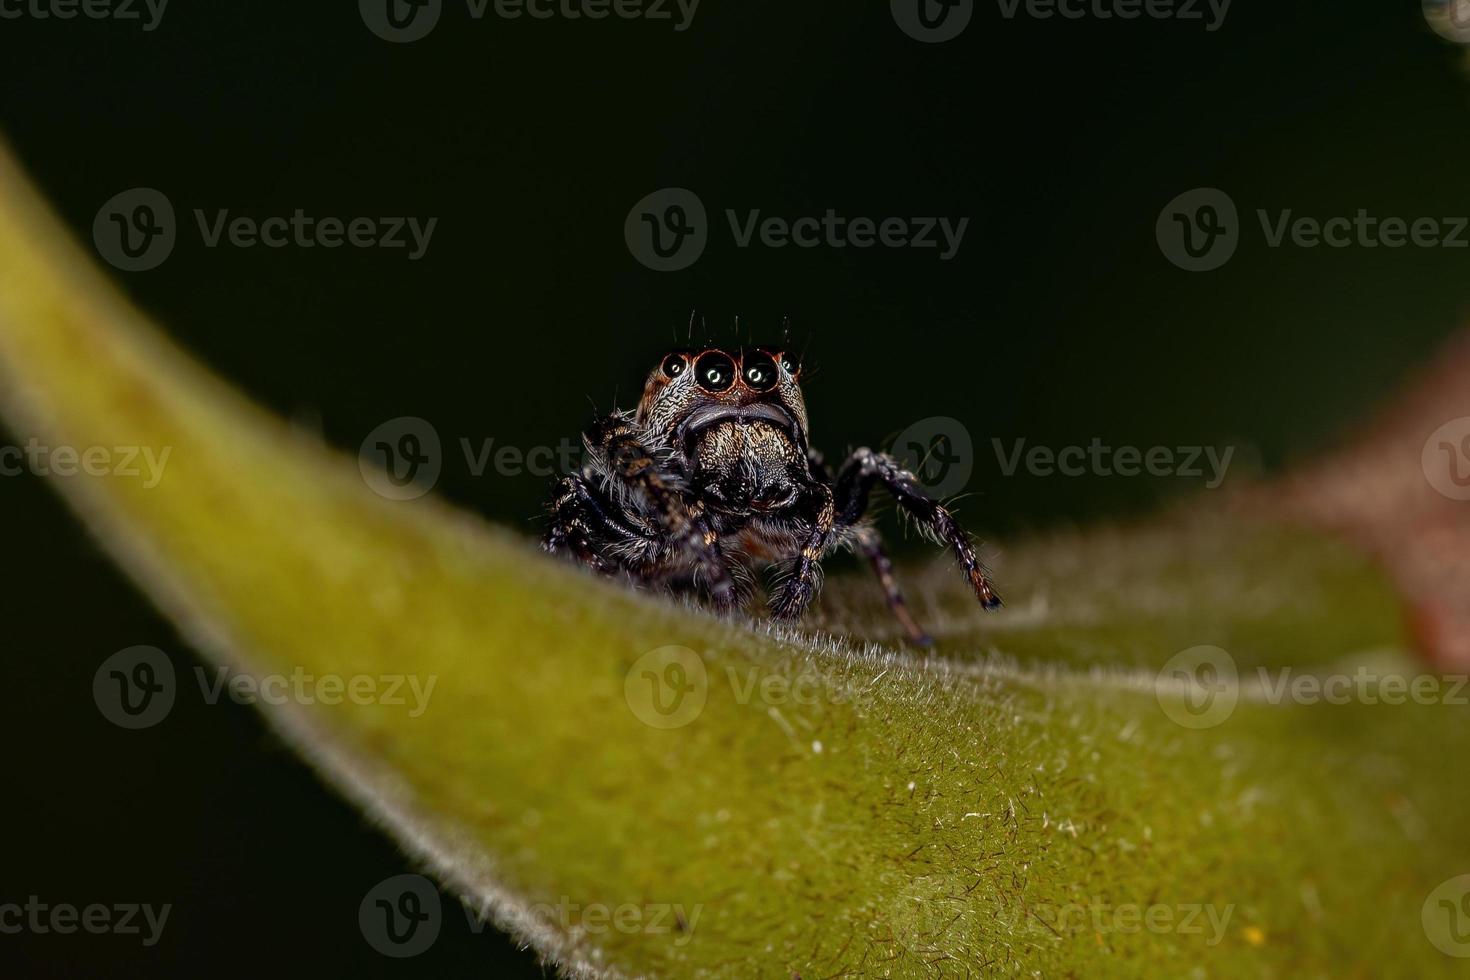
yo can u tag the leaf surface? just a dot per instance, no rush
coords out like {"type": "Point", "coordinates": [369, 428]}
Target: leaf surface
{"type": "Point", "coordinates": [1020, 799]}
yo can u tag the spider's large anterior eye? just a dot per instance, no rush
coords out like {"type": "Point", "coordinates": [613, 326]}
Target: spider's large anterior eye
{"type": "Point", "coordinates": [714, 371]}
{"type": "Point", "coordinates": [674, 365]}
{"type": "Point", "coordinates": [760, 371]}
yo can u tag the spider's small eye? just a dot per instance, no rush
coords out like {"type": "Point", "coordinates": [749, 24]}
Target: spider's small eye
{"type": "Point", "coordinates": [714, 371]}
{"type": "Point", "coordinates": [760, 371]}
{"type": "Point", "coordinates": [788, 363]}
{"type": "Point", "coordinates": [674, 365]}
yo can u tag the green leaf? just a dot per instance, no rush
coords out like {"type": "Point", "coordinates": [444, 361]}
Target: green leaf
{"type": "Point", "coordinates": [820, 802]}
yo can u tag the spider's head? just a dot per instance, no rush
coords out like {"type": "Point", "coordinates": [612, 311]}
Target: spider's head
{"type": "Point", "coordinates": [693, 390]}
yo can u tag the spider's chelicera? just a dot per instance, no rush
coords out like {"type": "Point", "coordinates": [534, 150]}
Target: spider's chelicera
{"type": "Point", "coordinates": [712, 477]}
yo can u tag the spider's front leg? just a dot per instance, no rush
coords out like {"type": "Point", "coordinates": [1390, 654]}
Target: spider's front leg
{"type": "Point", "coordinates": [585, 525]}
{"type": "Point", "coordinates": [869, 543]}
{"type": "Point", "coordinates": [817, 512]}
{"type": "Point", "coordinates": [865, 468]}
{"type": "Point", "coordinates": [616, 441]}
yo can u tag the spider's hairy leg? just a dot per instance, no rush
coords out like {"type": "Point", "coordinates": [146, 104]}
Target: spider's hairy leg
{"type": "Point", "coordinates": [868, 541]}
{"type": "Point", "coordinates": [616, 440]}
{"type": "Point", "coordinates": [583, 525]}
{"type": "Point", "coordinates": [818, 512]}
{"type": "Point", "coordinates": [865, 468]}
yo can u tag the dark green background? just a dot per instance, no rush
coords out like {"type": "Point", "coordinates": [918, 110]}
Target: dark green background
{"type": "Point", "coordinates": [1058, 321]}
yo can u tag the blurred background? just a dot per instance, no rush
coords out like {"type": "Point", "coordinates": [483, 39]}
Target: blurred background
{"type": "Point", "coordinates": [1060, 319]}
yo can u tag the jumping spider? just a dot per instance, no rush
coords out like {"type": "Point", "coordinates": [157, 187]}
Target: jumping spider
{"type": "Point", "coordinates": [712, 475]}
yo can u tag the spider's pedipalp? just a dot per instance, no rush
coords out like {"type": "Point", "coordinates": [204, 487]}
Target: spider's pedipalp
{"type": "Point", "coordinates": [630, 466]}
{"type": "Point", "coordinates": [818, 512]}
